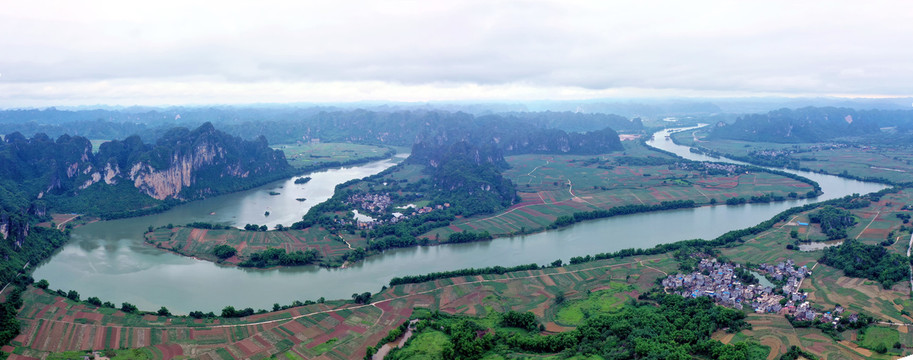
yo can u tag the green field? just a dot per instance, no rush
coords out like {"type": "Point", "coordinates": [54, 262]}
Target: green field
{"type": "Point", "coordinates": [889, 162]}
{"type": "Point", "coordinates": [201, 242]}
{"type": "Point", "coordinates": [551, 186]}
{"type": "Point", "coordinates": [336, 329]}
{"type": "Point", "coordinates": [314, 155]}
{"type": "Point", "coordinates": [880, 338]}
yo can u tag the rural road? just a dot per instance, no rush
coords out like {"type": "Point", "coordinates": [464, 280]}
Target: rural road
{"type": "Point", "coordinates": [911, 264]}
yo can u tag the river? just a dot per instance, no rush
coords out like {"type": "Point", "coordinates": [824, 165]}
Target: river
{"type": "Point", "coordinates": [109, 259]}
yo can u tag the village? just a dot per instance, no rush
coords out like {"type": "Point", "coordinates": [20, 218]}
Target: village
{"type": "Point", "coordinates": [379, 204]}
{"type": "Point", "coordinates": [720, 282]}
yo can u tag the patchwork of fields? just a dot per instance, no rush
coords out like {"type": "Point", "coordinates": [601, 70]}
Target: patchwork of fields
{"type": "Point", "coordinates": [888, 162]}
{"type": "Point", "coordinates": [336, 329]}
{"type": "Point", "coordinates": [312, 155]}
{"type": "Point", "coordinates": [551, 186]}
{"type": "Point", "coordinates": [200, 242]}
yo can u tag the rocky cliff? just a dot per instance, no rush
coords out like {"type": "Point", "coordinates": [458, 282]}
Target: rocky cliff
{"type": "Point", "coordinates": [184, 164]}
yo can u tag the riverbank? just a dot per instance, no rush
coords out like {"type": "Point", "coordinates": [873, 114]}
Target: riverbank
{"type": "Point", "coordinates": [107, 252]}
{"type": "Point", "coordinates": [535, 290]}
{"type": "Point", "coordinates": [841, 160]}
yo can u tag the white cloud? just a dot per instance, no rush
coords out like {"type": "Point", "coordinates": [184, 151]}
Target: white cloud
{"type": "Point", "coordinates": [64, 52]}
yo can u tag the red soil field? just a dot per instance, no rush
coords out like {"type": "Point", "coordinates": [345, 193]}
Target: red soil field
{"type": "Point", "coordinates": [170, 351]}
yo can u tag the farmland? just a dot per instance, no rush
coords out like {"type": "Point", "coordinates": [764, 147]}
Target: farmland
{"type": "Point", "coordinates": [889, 162]}
{"type": "Point", "coordinates": [551, 186]}
{"type": "Point", "coordinates": [201, 242]}
{"type": "Point", "coordinates": [335, 329]}
{"type": "Point", "coordinates": [316, 155]}
{"type": "Point", "coordinates": [560, 298]}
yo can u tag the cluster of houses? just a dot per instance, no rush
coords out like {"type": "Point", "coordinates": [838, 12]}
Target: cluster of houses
{"type": "Point", "coordinates": [790, 151]}
{"type": "Point", "coordinates": [719, 281]}
{"type": "Point", "coordinates": [375, 203]}
{"type": "Point", "coordinates": [729, 168]}
{"type": "Point", "coordinates": [378, 203]}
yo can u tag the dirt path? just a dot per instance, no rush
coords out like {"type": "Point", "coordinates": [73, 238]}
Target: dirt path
{"type": "Point", "coordinates": [530, 173]}
{"type": "Point", "coordinates": [64, 223]}
{"type": "Point", "coordinates": [911, 264]}
{"type": "Point", "coordinates": [570, 190]}
{"type": "Point", "coordinates": [20, 272]}
{"type": "Point", "coordinates": [641, 262]}
{"type": "Point", "coordinates": [870, 223]}
{"type": "Point", "coordinates": [638, 199]}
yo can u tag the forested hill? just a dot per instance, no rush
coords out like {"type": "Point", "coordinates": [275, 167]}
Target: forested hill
{"type": "Point", "coordinates": [288, 125]}
{"type": "Point", "coordinates": [465, 159]}
{"type": "Point", "coordinates": [811, 124]}
{"type": "Point", "coordinates": [467, 175]}
{"type": "Point", "coordinates": [130, 174]}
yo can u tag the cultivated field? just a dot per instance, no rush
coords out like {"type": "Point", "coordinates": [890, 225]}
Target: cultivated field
{"type": "Point", "coordinates": [551, 186]}
{"type": "Point", "coordinates": [310, 155]}
{"type": "Point", "coordinates": [200, 242]}
{"type": "Point", "coordinates": [334, 330]}
{"type": "Point", "coordinates": [888, 162]}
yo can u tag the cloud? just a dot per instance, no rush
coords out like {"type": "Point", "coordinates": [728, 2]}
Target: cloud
{"type": "Point", "coordinates": [348, 49]}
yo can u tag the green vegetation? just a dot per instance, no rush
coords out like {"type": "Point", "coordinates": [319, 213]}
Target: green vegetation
{"type": "Point", "coordinates": [67, 175]}
{"type": "Point", "coordinates": [278, 257]}
{"type": "Point", "coordinates": [868, 261]}
{"type": "Point", "coordinates": [573, 313]}
{"type": "Point", "coordinates": [796, 353]}
{"type": "Point", "coordinates": [879, 339]}
{"type": "Point", "coordinates": [411, 279]}
{"type": "Point", "coordinates": [311, 157]}
{"type": "Point", "coordinates": [224, 251]}
{"type": "Point", "coordinates": [671, 328]}
{"type": "Point", "coordinates": [619, 210]}
{"type": "Point", "coordinates": [834, 222]}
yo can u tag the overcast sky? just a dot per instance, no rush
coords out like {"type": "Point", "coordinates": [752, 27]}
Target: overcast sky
{"type": "Point", "coordinates": [188, 52]}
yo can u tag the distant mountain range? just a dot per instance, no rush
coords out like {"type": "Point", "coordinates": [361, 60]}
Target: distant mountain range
{"type": "Point", "coordinates": [811, 124]}
{"type": "Point", "coordinates": [289, 125]}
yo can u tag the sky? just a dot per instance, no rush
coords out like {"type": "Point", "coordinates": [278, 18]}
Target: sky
{"type": "Point", "coordinates": [163, 52]}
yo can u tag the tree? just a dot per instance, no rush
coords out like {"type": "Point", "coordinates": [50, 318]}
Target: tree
{"type": "Point", "coordinates": [42, 284]}
{"type": "Point", "coordinates": [94, 301]}
{"type": "Point", "coordinates": [128, 308]}
{"type": "Point", "coordinates": [362, 298]}
{"type": "Point", "coordinates": [164, 312]}
{"type": "Point", "coordinates": [73, 295]}
{"type": "Point", "coordinates": [224, 251]}
{"type": "Point", "coordinates": [229, 311]}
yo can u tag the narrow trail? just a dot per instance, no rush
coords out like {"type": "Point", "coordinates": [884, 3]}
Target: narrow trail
{"type": "Point", "coordinates": [64, 223]}
{"type": "Point", "coordinates": [530, 173]}
{"type": "Point", "coordinates": [909, 247]}
{"type": "Point", "coordinates": [570, 190]}
{"type": "Point", "coordinates": [870, 223]}
{"type": "Point", "coordinates": [17, 275]}
{"type": "Point", "coordinates": [638, 199]}
{"type": "Point", "coordinates": [641, 262]}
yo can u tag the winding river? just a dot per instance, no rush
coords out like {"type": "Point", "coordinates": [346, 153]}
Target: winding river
{"type": "Point", "coordinates": [109, 259]}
